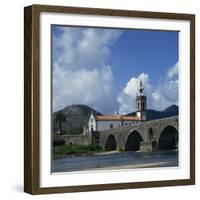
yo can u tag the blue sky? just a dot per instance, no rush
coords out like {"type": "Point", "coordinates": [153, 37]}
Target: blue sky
{"type": "Point", "coordinates": [151, 52]}
{"type": "Point", "coordinates": [103, 67]}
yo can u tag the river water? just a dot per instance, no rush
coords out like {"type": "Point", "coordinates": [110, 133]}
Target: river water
{"type": "Point", "coordinates": [120, 160]}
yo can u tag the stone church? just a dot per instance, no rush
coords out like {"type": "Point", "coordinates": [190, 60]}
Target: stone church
{"type": "Point", "coordinates": [105, 122]}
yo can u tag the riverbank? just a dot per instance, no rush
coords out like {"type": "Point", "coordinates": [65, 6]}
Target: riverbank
{"type": "Point", "coordinates": [76, 150]}
{"type": "Point", "coordinates": [68, 151]}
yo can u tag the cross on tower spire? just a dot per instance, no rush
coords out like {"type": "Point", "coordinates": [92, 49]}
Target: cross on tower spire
{"type": "Point", "coordinates": [141, 89]}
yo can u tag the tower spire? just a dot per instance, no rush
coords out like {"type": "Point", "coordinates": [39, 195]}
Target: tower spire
{"type": "Point", "coordinates": [141, 103]}
{"type": "Point", "coordinates": [141, 89]}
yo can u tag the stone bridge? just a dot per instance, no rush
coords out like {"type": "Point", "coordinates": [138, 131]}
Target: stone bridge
{"type": "Point", "coordinates": [161, 134]}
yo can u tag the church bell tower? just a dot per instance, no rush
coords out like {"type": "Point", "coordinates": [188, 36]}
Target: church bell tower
{"type": "Point", "coordinates": [141, 103]}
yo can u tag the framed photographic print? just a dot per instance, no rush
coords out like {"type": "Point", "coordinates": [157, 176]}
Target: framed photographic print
{"type": "Point", "coordinates": [109, 99]}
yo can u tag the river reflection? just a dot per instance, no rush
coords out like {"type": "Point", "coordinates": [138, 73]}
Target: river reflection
{"type": "Point", "coordinates": [126, 160]}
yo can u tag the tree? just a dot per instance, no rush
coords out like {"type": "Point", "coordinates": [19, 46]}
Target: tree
{"type": "Point", "coordinates": [60, 118]}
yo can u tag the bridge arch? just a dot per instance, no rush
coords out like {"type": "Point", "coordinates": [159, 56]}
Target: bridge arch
{"type": "Point", "coordinates": [111, 143]}
{"type": "Point", "coordinates": [168, 138]}
{"type": "Point", "coordinates": [133, 141]}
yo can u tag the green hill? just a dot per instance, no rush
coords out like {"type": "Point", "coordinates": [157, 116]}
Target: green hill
{"type": "Point", "coordinates": [76, 116]}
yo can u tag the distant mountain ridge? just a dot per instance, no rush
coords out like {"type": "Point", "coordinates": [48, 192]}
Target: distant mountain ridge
{"type": "Point", "coordinates": [172, 108]}
{"type": "Point", "coordinates": [154, 114]}
{"type": "Point", "coordinates": [77, 116]}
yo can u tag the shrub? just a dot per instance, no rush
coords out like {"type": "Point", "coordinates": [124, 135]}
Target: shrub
{"type": "Point", "coordinates": [58, 142]}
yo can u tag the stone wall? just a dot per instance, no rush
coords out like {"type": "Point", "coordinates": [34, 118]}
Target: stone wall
{"type": "Point", "coordinates": [74, 139]}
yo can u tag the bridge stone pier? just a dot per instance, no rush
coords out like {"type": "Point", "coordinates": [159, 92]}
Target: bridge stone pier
{"type": "Point", "coordinates": [161, 134]}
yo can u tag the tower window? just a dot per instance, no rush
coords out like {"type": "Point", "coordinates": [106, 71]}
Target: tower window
{"type": "Point", "coordinates": [143, 106]}
{"type": "Point", "coordinates": [138, 105]}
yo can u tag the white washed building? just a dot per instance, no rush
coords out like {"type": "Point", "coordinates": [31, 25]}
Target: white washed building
{"type": "Point", "coordinates": [104, 122]}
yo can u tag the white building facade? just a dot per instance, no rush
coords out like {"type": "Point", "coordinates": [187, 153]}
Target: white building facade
{"type": "Point", "coordinates": [104, 122]}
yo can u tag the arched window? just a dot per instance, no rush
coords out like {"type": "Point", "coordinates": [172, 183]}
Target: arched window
{"type": "Point", "coordinates": [138, 105]}
{"type": "Point", "coordinates": [111, 126]}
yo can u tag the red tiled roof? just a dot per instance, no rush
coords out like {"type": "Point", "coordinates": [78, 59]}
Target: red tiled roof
{"type": "Point", "coordinates": [116, 118]}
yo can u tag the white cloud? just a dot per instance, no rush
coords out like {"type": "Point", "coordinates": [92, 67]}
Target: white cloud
{"type": "Point", "coordinates": [84, 87]}
{"type": "Point", "coordinates": [82, 75]}
{"type": "Point", "coordinates": [133, 84]}
{"type": "Point", "coordinates": [166, 93]}
{"type": "Point", "coordinates": [158, 97]}
{"type": "Point", "coordinates": [173, 71]}
{"type": "Point", "coordinates": [126, 98]}
{"type": "Point", "coordinates": [80, 72]}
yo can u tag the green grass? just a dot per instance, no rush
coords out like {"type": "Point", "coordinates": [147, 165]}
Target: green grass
{"type": "Point", "coordinates": [76, 150]}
